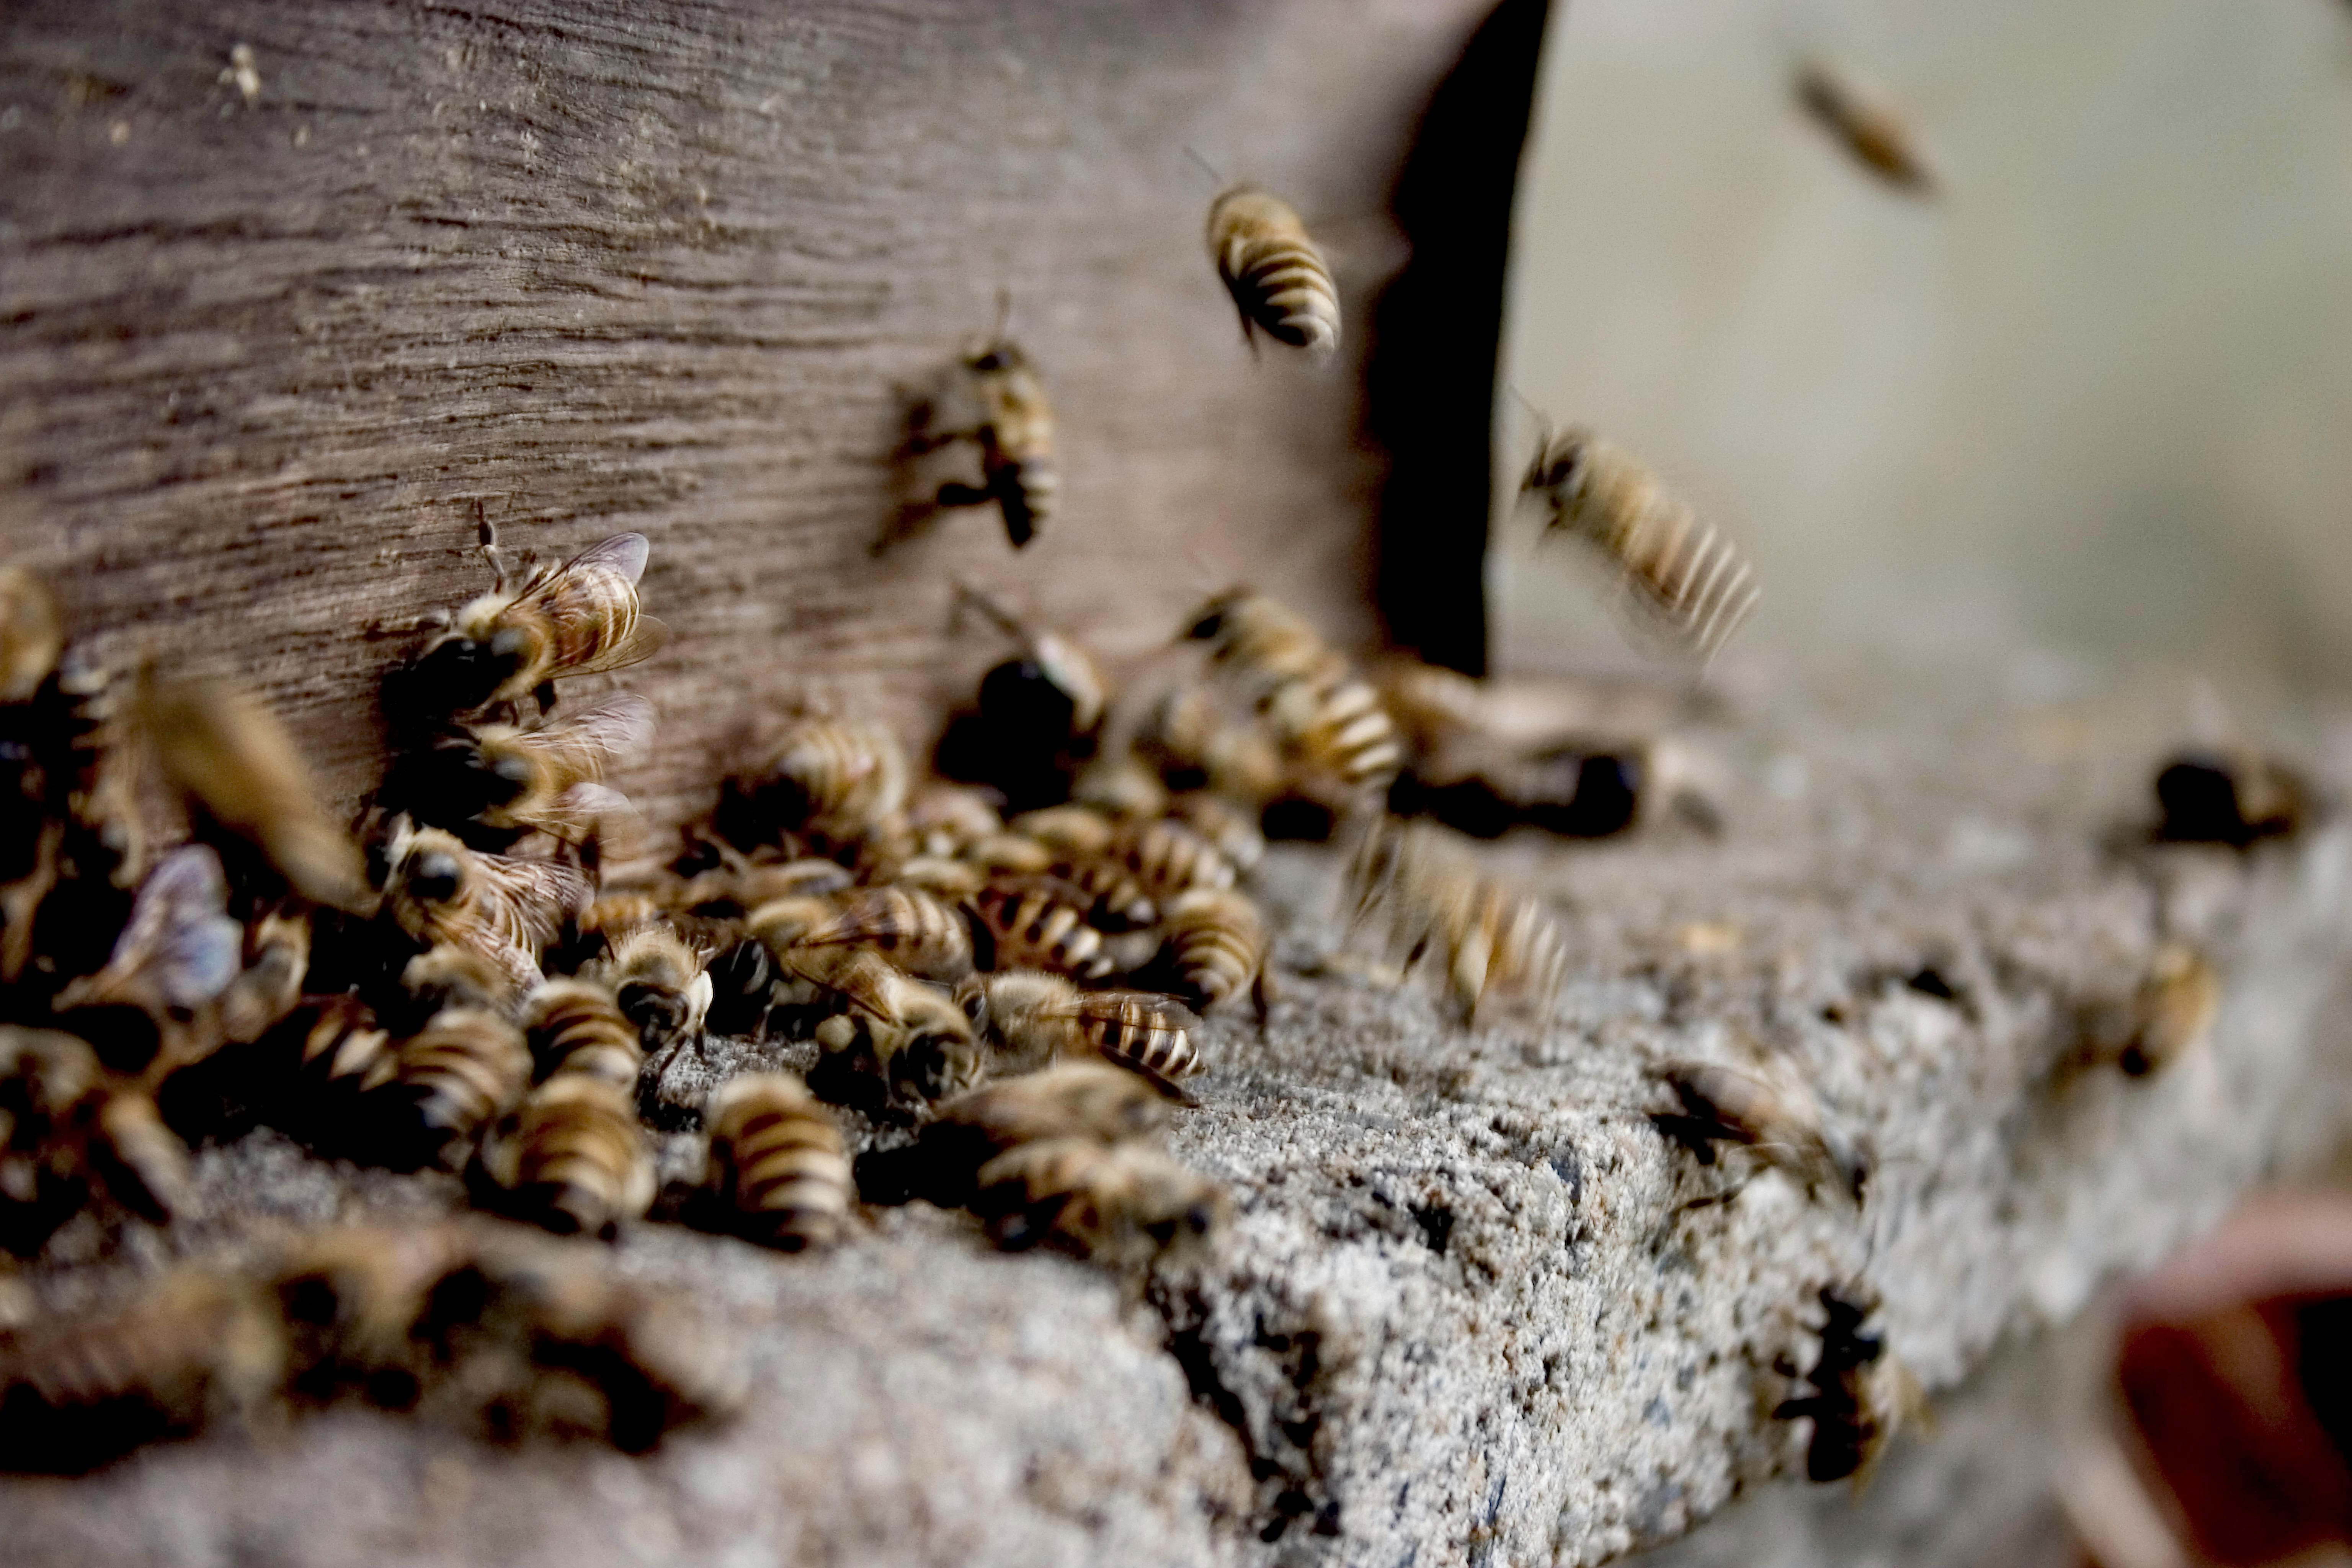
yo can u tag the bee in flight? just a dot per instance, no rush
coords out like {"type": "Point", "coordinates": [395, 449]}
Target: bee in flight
{"type": "Point", "coordinates": [577, 618]}
{"type": "Point", "coordinates": [1875, 135]}
{"type": "Point", "coordinates": [995, 400]}
{"type": "Point", "coordinates": [1279, 279]}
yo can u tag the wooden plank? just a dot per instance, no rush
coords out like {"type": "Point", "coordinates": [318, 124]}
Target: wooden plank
{"type": "Point", "coordinates": [594, 266]}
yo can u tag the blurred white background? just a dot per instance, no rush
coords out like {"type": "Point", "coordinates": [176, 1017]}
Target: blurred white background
{"type": "Point", "coordinates": [2095, 394]}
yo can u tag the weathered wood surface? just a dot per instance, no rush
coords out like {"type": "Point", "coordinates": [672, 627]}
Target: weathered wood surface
{"type": "Point", "coordinates": [594, 266]}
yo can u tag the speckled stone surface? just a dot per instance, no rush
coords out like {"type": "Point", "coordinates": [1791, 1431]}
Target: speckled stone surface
{"type": "Point", "coordinates": [1465, 1311]}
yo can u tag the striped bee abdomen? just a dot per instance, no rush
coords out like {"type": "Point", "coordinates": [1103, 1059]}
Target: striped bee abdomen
{"type": "Point", "coordinates": [1277, 277]}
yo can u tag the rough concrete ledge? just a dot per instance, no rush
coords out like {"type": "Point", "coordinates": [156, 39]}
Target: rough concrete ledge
{"type": "Point", "coordinates": [1464, 1313]}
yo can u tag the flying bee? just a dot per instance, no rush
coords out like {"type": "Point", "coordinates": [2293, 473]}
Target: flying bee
{"type": "Point", "coordinates": [571, 1157]}
{"type": "Point", "coordinates": [1490, 940]}
{"type": "Point", "coordinates": [1125, 1205]}
{"type": "Point", "coordinates": [575, 1029]}
{"type": "Point", "coordinates": [944, 818]}
{"type": "Point", "coordinates": [154, 1003]}
{"type": "Point", "coordinates": [1195, 740]}
{"type": "Point", "coordinates": [236, 764]}
{"type": "Point", "coordinates": [1336, 737]}
{"type": "Point", "coordinates": [2230, 794]}
{"type": "Point", "coordinates": [1086, 1099]}
{"type": "Point", "coordinates": [1685, 572]}
{"type": "Point", "coordinates": [198, 1346]}
{"type": "Point", "coordinates": [579, 618]}
{"type": "Point", "coordinates": [1030, 1019]}
{"type": "Point", "coordinates": [996, 401]}
{"type": "Point", "coordinates": [445, 1082]}
{"type": "Point", "coordinates": [278, 956]}
{"type": "Point", "coordinates": [892, 1035]}
{"type": "Point", "coordinates": [1265, 643]}
{"type": "Point", "coordinates": [926, 938]}
{"type": "Point", "coordinates": [659, 982]}
{"type": "Point", "coordinates": [830, 781]}
{"type": "Point", "coordinates": [777, 1172]}
{"type": "Point", "coordinates": [32, 633]}
{"type": "Point", "coordinates": [1781, 1125]}
{"type": "Point", "coordinates": [1036, 922]}
{"type": "Point", "coordinates": [437, 890]}
{"type": "Point", "coordinates": [1861, 1397]}
{"type": "Point", "coordinates": [1873, 134]}
{"type": "Point", "coordinates": [511, 780]}
{"type": "Point", "coordinates": [1279, 279]}
{"type": "Point", "coordinates": [1214, 947]}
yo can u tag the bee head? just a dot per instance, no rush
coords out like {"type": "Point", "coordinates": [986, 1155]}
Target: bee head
{"type": "Point", "coordinates": [1209, 620]}
{"type": "Point", "coordinates": [657, 1011]}
{"type": "Point", "coordinates": [933, 1065]}
{"type": "Point", "coordinates": [458, 673]}
{"type": "Point", "coordinates": [436, 877]}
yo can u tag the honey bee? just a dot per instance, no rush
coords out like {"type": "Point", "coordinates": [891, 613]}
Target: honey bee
{"type": "Point", "coordinates": [917, 932]}
{"type": "Point", "coordinates": [1085, 1099]}
{"type": "Point", "coordinates": [578, 618]}
{"type": "Point", "coordinates": [571, 1157]}
{"type": "Point", "coordinates": [658, 981]}
{"type": "Point", "coordinates": [1030, 1019]}
{"type": "Point", "coordinates": [2169, 1015]}
{"type": "Point", "coordinates": [2230, 794]}
{"type": "Point", "coordinates": [199, 1346]}
{"type": "Point", "coordinates": [278, 956]}
{"type": "Point", "coordinates": [1277, 277]}
{"type": "Point", "coordinates": [781, 923]}
{"type": "Point", "coordinates": [830, 781]}
{"type": "Point", "coordinates": [1214, 947]}
{"type": "Point", "coordinates": [1169, 858]}
{"type": "Point", "coordinates": [1491, 941]}
{"type": "Point", "coordinates": [1233, 831]}
{"type": "Point", "coordinates": [448, 975]}
{"type": "Point", "coordinates": [951, 881]}
{"type": "Point", "coordinates": [32, 633]}
{"type": "Point", "coordinates": [1341, 743]}
{"type": "Point", "coordinates": [944, 818]}
{"type": "Point", "coordinates": [1061, 664]}
{"type": "Point", "coordinates": [1781, 1125]}
{"type": "Point", "coordinates": [777, 1171]}
{"type": "Point", "coordinates": [1873, 134]}
{"type": "Point", "coordinates": [1010, 854]}
{"type": "Point", "coordinates": [445, 1082]}
{"type": "Point", "coordinates": [1861, 1397]}
{"type": "Point", "coordinates": [333, 1043]}
{"type": "Point", "coordinates": [1195, 740]}
{"type": "Point", "coordinates": [1683, 571]}
{"type": "Point", "coordinates": [742, 976]}
{"type": "Point", "coordinates": [1118, 784]}
{"type": "Point", "coordinates": [891, 1034]}
{"type": "Point", "coordinates": [63, 1125]}
{"type": "Point", "coordinates": [997, 401]}
{"type": "Point", "coordinates": [505, 909]}
{"type": "Point", "coordinates": [732, 891]}
{"type": "Point", "coordinates": [1125, 1205]}
{"type": "Point", "coordinates": [575, 1029]}
{"type": "Point", "coordinates": [549, 777]}
{"type": "Point", "coordinates": [153, 1007]}
{"type": "Point", "coordinates": [1069, 830]}
{"type": "Point", "coordinates": [1036, 923]}
{"type": "Point", "coordinates": [238, 767]}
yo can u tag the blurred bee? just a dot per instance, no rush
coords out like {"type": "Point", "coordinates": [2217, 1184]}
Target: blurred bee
{"type": "Point", "coordinates": [575, 1029]}
{"type": "Point", "coordinates": [437, 890]}
{"type": "Point", "coordinates": [452, 976]}
{"type": "Point", "coordinates": [1068, 830]}
{"type": "Point", "coordinates": [154, 1003]}
{"type": "Point", "coordinates": [141, 1163]}
{"type": "Point", "coordinates": [278, 956]}
{"type": "Point", "coordinates": [1036, 923]}
{"type": "Point", "coordinates": [198, 1346]}
{"type": "Point", "coordinates": [1169, 858]}
{"type": "Point", "coordinates": [1685, 573]}
{"type": "Point", "coordinates": [64, 1126]}
{"type": "Point", "coordinates": [1233, 831]}
{"type": "Point", "coordinates": [578, 618]}
{"type": "Point", "coordinates": [239, 769]}
{"type": "Point", "coordinates": [917, 932]}
{"type": "Point", "coordinates": [550, 777]}
{"type": "Point", "coordinates": [2230, 794]}
{"type": "Point", "coordinates": [1277, 277]}
{"type": "Point", "coordinates": [997, 401]}
{"type": "Point", "coordinates": [732, 891]}
{"type": "Point", "coordinates": [831, 781]}
{"type": "Point", "coordinates": [1199, 743]}
{"type": "Point", "coordinates": [1332, 725]}
{"type": "Point", "coordinates": [889, 1035]}
{"type": "Point", "coordinates": [1118, 784]}
{"type": "Point", "coordinates": [1873, 134]}
{"type": "Point", "coordinates": [2169, 1015]}
{"type": "Point", "coordinates": [1060, 663]}
{"type": "Point", "coordinates": [944, 818]}
{"type": "Point", "coordinates": [445, 1082]}
{"type": "Point", "coordinates": [1861, 1397]}
{"type": "Point", "coordinates": [1215, 947]}
{"type": "Point", "coordinates": [1010, 854]}
{"type": "Point", "coordinates": [330, 1043]}
{"type": "Point", "coordinates": [32, 633]}
{"type": "Point", "coordinates": [1084, 1100]}
{"type": "Point", "coordinates": [1030, 1019]}
{"type": "Point", "coordinates": [1782, 1126]}
{"type": "Point", "coordinates": [951, 881]}
{"type": "Point", "coordinates": [1125, 1205]}
{"type": "Point", "coordinates": [777, 1172]}
{"type": "Point", "coordinates": [742, 976]}
{"type": "Point", "coordinates": [1492, 942]}
{"type": "Point", "coordinates": [1081, 840]}
{"type": "Point", "coordinates": [571, 1157]}
{"type": "Point", "coordinates": [658, 979]}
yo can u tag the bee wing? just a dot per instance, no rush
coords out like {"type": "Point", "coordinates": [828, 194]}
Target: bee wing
{"type": "Point", "coordinates": [614, 730]}
{"type": "Point", "coordinates": [587, 811]}
{"type": "Point", "coordinates": [623, 553]}
{"type": "Point", "coordinates": [178, 934]}
{"type": "Point", "coordinates": [526, 902]}
{"type": "Point", "coordinates": [1160, 1012]}
{"type": "Point", "coordinates": [595, 587]}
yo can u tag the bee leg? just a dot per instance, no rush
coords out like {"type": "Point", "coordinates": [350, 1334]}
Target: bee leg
{"type": "Point", "coordinates": [1261, 997]}
{"type": "Point", "coordinates": [913, 517]}
{"type": "Point", "coordinates": [955, 492]}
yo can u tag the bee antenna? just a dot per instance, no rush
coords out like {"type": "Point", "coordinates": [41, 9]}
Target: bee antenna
{"type": "Point", "coordinates": [1004, 311]}
{"type": "Point", "coordinates": [1205, 166]}
{"type": "Point", "coordinates": [988, 605]}
{"type": "Point", "coordinates": [485, 534]}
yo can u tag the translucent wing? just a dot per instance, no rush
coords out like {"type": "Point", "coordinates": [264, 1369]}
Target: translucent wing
{"type": "Point", "coordinates": [609, 732]}
{"type": "Point", "coordinates": [178, 935]}
{"type": "Point", "coordinates": [1128, 1008]}
{"type": "Point", "coordinates": [598, 812]}
{"type": "Point", "coordinates": [526, 902]}
{"type": "Point", "coordinates": [624, 554]}
{"type": "Point", "coordinates": [590, 604]}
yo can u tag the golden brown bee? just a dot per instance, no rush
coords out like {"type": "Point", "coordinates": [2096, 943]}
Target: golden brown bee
{"type": "Point", "coordinates": [944, 818]}
{"type": "Point", "coordinates": [1086, 1099]}
{"type": "Point", "coordinates": [278, 955]}
{"type": "Point", "coordinates": [891, 1033]}
{"type": "Point", "coordinates": [577, 618]}
{"type": "Point", "coordinates": [779, 923]}
{"type": "Point", "coordinates": [1277, 277]}
{"type": "Point", "coordinates": [238, 766]}
{"type": "Point", "coordinates": [63, 1125]}
{"type": "Point", "coordinates": [2230, 794]}
{"type": "Point", "coordinates": [1683, 571]}
{"type": "Point", "coordinates": [1125, 1205]}
{"type": "Point", "coordinates": [1214, 946]}
{"type": "Point", "coordinates": [1169, 858]}
{"type": "Point", "coordinates": [1067, 830]}
{"type": "Point", "coordinates": [927, 939]}
{"type": "Point", "coordinates": [32, 633]}
{"type": "Point", "coordinates": [575, 1028]}
{"type": "Point", "coordinates": [506, 909]}
{"type": "Point", "coordinates": [659, 983]}
{"type": "Point", "coordinates": [1781, 1125]}
{"type": "Point", "coordinates": [446, 1081]}
{"type": "Point", "coordinates": [1119, 783]}
{"type": "Point", "coordinates": [1190, 732]}
{"type": "Point", "coordinates": [1232, 829]}
{"type": "Point", "coordinates": [951, 881]}
{"type": "Point", "coordinates": [1491, 941]}
{"type": "Point", "coordinates": [732, 891]}
{"type": "Point", "coordinates": [1036, 922]}
{"type": "Point", "coordinates": [332, 1042]}
{"type": "Point", "coordinates": [142, 1162]}
{"type": "Point", "coordinates": [777, 1170]}
{"type": "Point", "coordinates": [997, 401]}
{"type": "Point", "coordinates": [1861, 1395]}
{"type": "Point", "coordinates": [1873, 133]}
{"type": "Point", "coordinates": [831, 781]}
{"type": "Point", "coordinates": [571, 1157]}
{"type": "Point", "coordinates": [1030, 1019]}
{"type": "Point", "coordinates": [1010, 855]}
{"type": "Point", "coordinates": [1337, 736]}
{"type": "Point", "coordinates": [199, 1345]}
{"type": "Point", "coordinates": [2173, 1009]}
{"type": "Point", "coordinates": [449, 976]}
{"type": "Point", "coordinates": [547, 777]}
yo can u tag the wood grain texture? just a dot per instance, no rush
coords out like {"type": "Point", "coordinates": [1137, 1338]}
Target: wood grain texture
{"type": "Point", "coordinates": [594, 266]}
